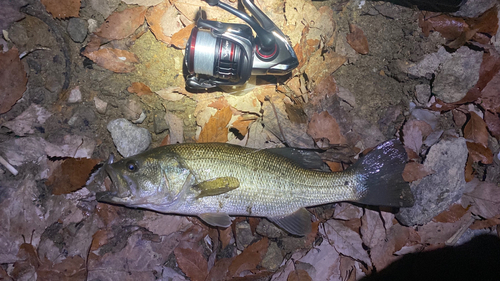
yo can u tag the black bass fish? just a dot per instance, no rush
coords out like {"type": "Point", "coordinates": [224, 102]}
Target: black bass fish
{"type": "Point", "coordinates": [215, 180]}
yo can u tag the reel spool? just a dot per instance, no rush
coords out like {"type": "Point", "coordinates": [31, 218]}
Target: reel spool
{"type": "Point", "coordinates": [220, 54]}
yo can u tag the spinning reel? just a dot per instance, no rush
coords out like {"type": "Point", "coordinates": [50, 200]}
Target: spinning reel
{"type": "Point", "coordinates": [220, 53]}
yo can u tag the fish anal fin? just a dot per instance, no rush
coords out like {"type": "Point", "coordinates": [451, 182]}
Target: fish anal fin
{"type": "Point", "coordinates": [217, 186]}
{"type": "Point", "coordinates": [216, 219]}
{"type": "Point", "coordinates": [297, 223]}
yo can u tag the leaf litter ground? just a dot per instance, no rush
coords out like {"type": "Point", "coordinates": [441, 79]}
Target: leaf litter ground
{"type": "Point", "coordinates": [362, 79]}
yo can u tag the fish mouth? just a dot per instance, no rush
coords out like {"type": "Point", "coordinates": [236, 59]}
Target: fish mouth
{"type": "Point", "coordinates": [117, 190]}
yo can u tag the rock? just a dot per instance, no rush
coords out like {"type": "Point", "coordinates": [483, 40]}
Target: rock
{"type": "Point", "coordinates": [104, 7]}
{"type": "Point", "coordinates": [128, 138]}
{"type": "Point", "coordinates": [457, 75]}
{"type": "Point", "coordinates": [100, 105]}
{"type": "Point", "coordinates": [92, 25]}
{"type": "Point", "coordinates": [429, 64]}
{"type": "Point", "coordinates": [244, 236]}
{"type": "Point", "coordinates": [77, 29]}
{"type": "Point", "coordinates": [75, 95]}
{"type": "Point", "coordinates": [473, 9]}
{"type": "Point", "coordinates": [273, 257]}
{"type": "Point", "coordinates": [269, 229]}
{"type": "Point", "coordinates": [159, 123]}
{"type": "Point", "coordinates": [423, 93]}
{"type": "Point", "coordinates": [436, 192]}
{"type": "Point", "coordinates": [428, 116]}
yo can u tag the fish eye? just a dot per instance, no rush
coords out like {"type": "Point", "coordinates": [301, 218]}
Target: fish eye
{"type": "Point", "coordinates": [132, 166]}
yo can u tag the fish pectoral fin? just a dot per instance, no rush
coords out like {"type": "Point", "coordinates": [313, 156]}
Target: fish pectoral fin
{"type": "Point", "coordinates": [297, 223]}
{"type": "Point", "coordinates": [216, 219]}
{"type": "Point", "coordinates": [217, 186]}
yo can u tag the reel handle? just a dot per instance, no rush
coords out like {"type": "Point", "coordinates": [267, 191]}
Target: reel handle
{"type": "Point", "coordinates": [266, 40]}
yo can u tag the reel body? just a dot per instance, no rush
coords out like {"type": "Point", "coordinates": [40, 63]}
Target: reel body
{"type": "Point", "coordinates": [220, 53]}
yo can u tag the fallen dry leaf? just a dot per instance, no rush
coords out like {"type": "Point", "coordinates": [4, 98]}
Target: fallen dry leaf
{"type": "Point", "coordinates": [249, 258]}
{"type": "Point", "coordinates": [12, 79]}
{"type": "Point", "coordinates": [492, 120]}
{"type": "Point", "coordinates": [415, 171]}
{"type": "Point", "coordinates": [26, 122]}
{"type": "Point", "coordinates": [469, 170]}
{"type": "Point", "coordinates": [323, 125]}
{"type": "Point", "coordinates": [334, 166]}
{"type": "Point", "coordinates": [216, 130]}
{"type": "Point", "coordinates": [71, 268]}
{"type": "Point", "coordinates": [116, 60]}
{"type": "Point", "coordinates": [484, 199]}
{"type": "Point", "coordinates": [357, 39]}
{"type": "Point", "coordinates": [122, 24]}
{"type": "Point", "coordinates": [452, 214]}
{"type": "Point", "coordinates": [61, 9]}
{"type": "Point", "coordinates": [414, 131]}
{"type": "Point", "coordinates": [219, 269]}
{"type": "Point", "coordinates": [322, 65]}
{"type": "Point", "coordinates": [180, 38]}
{"type": "Point", "coordinates": [475, 130]}
{"type": "Point", "coordinates": [71, 175]}
{"type": "Point", "coordinates": [479, 153]}
{"type": "Point", "coordinates": [154, 18]}
{"type": "Point", "coordinates": [382, 254]}
{"type": "Point", "coordinates": [140, 89]}
{"type": "Point", "coordinates": [192, 263]}
{"type": "Point", "coordinates": [225, 236]}
{"type": "Point", "coordinates": [490, 96]}
{"type": "Point", "coordinates": [299, 275]}
{"type": "Point", "coordinates": [490, 66]}
{"type": "Point", "coordinates": [459, 117]}
{"type": "Point", "coordinates": [241, 124]}
{"type": "Point", "coordinates": [487, 223]}
{"type": "Point", "coordinates": [100, 238]}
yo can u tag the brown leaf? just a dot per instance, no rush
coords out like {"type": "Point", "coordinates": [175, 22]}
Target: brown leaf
{"type": "Point", "coordinates": [490, 96]}
{"type": "Point", "coordinates": [450, 27]}
{"type": "Point", "coordinates": [219, 271]}
{"type": "Point", "coordinates": [382, 254]}
{"type": "Point", "coordinates": [180, 38]}
{"type": "Point", "coordinates": [219, 103]}
{"type": "Point", "coordinates": [299, 275]}
{"type": "Point", "coordinates": [493, 122]}
{"type": "Point", "coordinates": [192, 263]}
{"type": "Point", "coordinates": [334, 166]}
{"type": "Point", "coordinates": [459, 117]}
{"type": "Point", "coordinates": [116, 60]}
{"type": "Point", "coordinates": [12, 79]}
{"type": "Point", "coordinates": [479, 153]}
{"type": "Point", "coordinates": [475, 130]}
{"type": "Point", "coordinates": [225, 236]}
{"type": "Point", "coordinates": [441, 106]}
{"type": "Point", "coordinates": [216, 130]}
{"type": "Point", "coordinates": [122, 24]}
{"type": "Point", "coordinates": [241, 124]}
{"type": "Point", "coordinates": [323, 125]}
{"type": "Point", "coordinates": [357, 39]}
{"type": "Point", "coordinates": [100, 238]}
{"type": "Point", "coordinates": [486, 23]}
{"type": "Point", "coordinates": [249, 258]}
{"type": "Point", "coordinates": [490, 66]}
{"type": "Point", "coordinates": [140, 89]}
{"type": "Point", "coordinates": [415, 171]}
{"type": "Point", "coordinates": [71, 175]}
{"type": "Point", "coordinates": [413, 133]}
{"type": "Point", "coordinates": [484, 200]}
{"type": "Point", "coordinates": [487, 223]}
{"type": "Point", "coordinates": [61, 9]}
{"type": "Point", "coordinates": [452, 214]}
{"type": "Point", "coordinates": [71, 268]}
{"type": "Point", "coordinates": [253, 222]}
{"type": "Point", "coordinates": [469, 170]}
{"type": "Point", "coordinates": [322, 65]}
{"type": "Point", "coordinates": [154, 18]}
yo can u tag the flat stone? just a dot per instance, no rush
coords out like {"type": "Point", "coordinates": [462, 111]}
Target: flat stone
{"type": "Point", "coordinates": [128, 138]}
{"type": "Point", "coordinates": [436, 192]}
{"type": "Point", "coordinates": [457, 75]}
{"type": "Point", "coordinates": [77, 29]}
{"type": "Point", "coordinates": [273, 257]}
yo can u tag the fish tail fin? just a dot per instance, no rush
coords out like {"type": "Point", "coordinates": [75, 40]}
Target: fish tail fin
{"type": "Point", "coordinates": [381, 177]}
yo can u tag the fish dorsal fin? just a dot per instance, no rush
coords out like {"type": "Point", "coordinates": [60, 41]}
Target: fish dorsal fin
{"type": "Point", "coordinates": [216, 219]}
{"type": "Point", "coordinates": [297, 223]}
{"type": "Point", "coordinates": [216, 186]}
{"type": "Point", "coordinates": [307, 159]}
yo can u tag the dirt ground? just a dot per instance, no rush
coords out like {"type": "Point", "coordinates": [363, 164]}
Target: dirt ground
{"type": "Point", "coordinates": [370, 97]}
